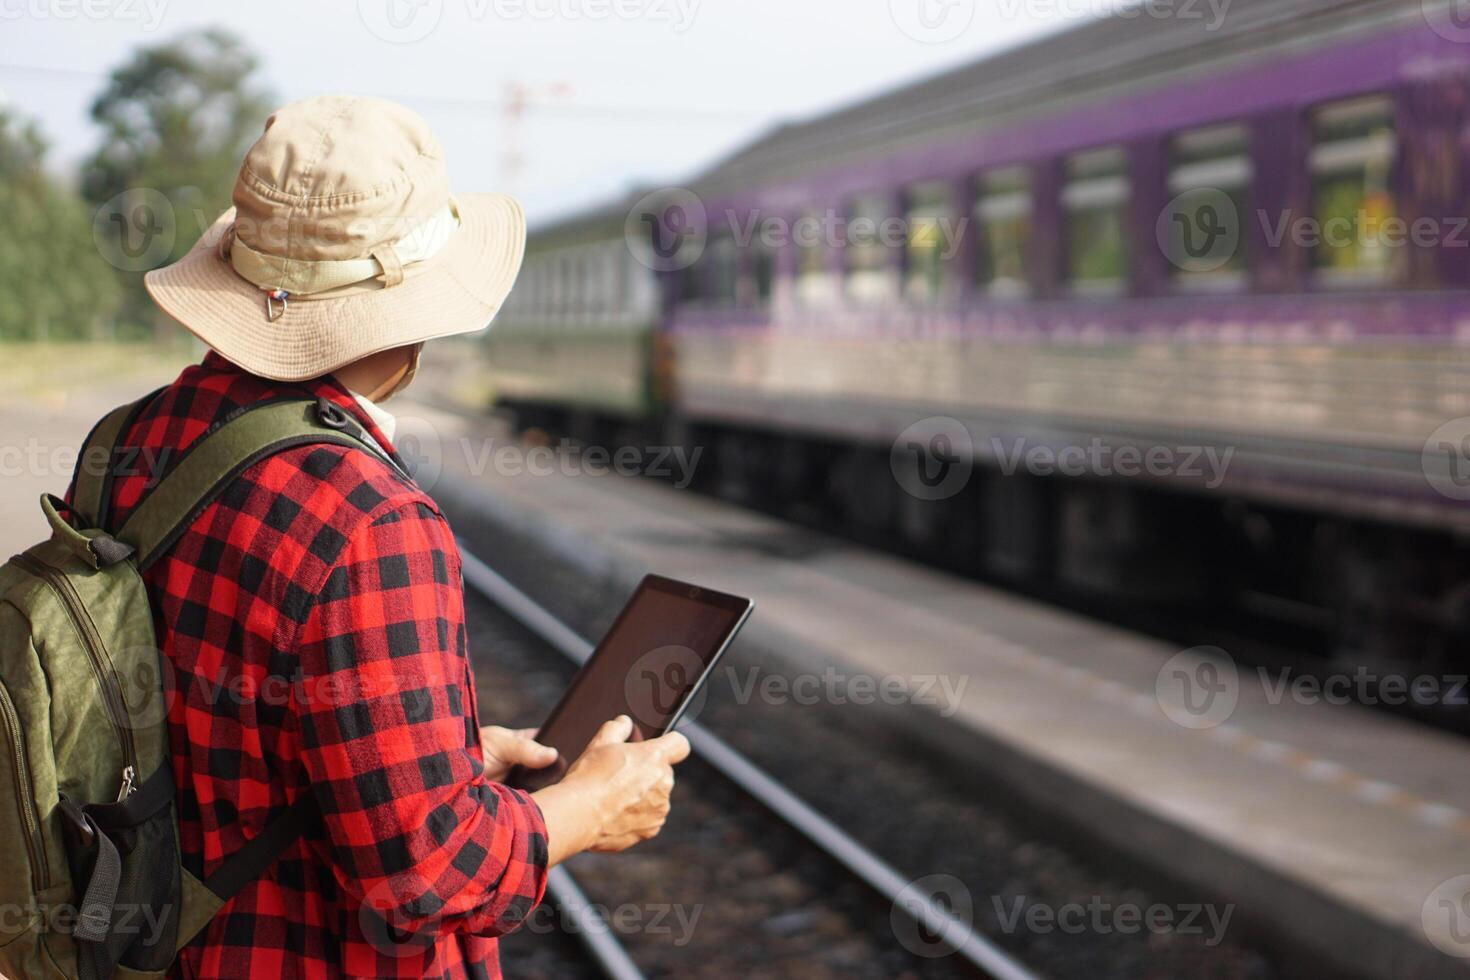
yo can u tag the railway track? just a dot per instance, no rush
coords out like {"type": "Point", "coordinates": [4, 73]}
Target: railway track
{"type": "Point", "coordinates": [983, 955]}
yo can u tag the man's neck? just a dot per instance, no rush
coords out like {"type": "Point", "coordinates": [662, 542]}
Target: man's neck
{"type": "Point", "coordinates": [381, 417]}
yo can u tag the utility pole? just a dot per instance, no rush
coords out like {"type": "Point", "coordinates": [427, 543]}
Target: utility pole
{"type": "Point", "coordinates": [519, 98]}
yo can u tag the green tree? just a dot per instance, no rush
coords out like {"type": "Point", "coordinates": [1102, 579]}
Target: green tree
{"type": "Point", "coordinates": [46, 250]}
{"type": "Point", "coordinates": [176, 120]}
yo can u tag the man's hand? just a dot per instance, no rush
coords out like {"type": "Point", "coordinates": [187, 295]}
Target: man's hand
{"type": "Point", "coordinates": [506, 748]}
{"type": "Point", "coordinates": [616, 793]}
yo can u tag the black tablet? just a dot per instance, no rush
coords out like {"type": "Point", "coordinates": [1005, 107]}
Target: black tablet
{"type": "Point", "coordinates": [649, 666]}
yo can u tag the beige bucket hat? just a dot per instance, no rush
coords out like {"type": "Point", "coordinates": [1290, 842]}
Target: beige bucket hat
{"type": "Point", "coordinates": [344, 240]}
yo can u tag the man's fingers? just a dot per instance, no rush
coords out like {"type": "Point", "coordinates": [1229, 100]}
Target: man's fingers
{"type": "Point", "coordinates": [613, 732]}
{"type": "Point", "coordinates": [523, 751]}
{"type": "Point", "coordinates": [515, 747]}
{"type": "Point", "coordinates": [671, 748]}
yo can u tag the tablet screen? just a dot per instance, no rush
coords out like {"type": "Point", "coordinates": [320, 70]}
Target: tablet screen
{"type": "Point", "coordinates": [648, 666]}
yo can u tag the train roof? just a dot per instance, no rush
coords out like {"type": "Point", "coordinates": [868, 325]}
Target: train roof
{"type": "Point", "coordinates": [597, 222]}
{"type": "Point", "coordinates": [1126, 48]}
{"type": "Point", "coordinates": [1089, 61]}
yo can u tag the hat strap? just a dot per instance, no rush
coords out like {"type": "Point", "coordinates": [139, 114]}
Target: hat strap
{"type": "Point", "coordinates": [305, 277]}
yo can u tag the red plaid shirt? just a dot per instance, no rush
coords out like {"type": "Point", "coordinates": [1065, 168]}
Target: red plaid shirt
{"type": "Point", "coordinates": [313, 618]}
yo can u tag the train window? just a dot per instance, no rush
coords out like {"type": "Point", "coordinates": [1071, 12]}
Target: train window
{"type": "Point", "coordinates": [866, 255]}
{"type": "Point", "coordinates": [617, 268]}
{"type": "Point", "coordinates": [592, 296]}
{"type": "Point", "coordinates": [1353, 151]}
{"type": "Point", "coordinates": [691, 283]}
{"type": "Point", "coordinates": [1003, 209]}
{"type": "Point", "coordinates": [1210, 175]}
{"type": "Point", "coordinates": [762, 272]}
{"type": "Point", "coordinates": [524, 293]}
{"type": "Point", "coordinates": [724, 269]}
{"type": "Point", "coordinates": [813, 278]}
{"type": "Point", "coordinates": [929, 219]}
{"type": "Point", "coordinates": [604, 265]}
{"type": "Point", "coordinates": [537, 294]}
{"type": "Point", "coordinates": [595, 298]}
{"type": "Point", "coordinates": [545, 286]}
{"type": "Point", "coordinates": [1094, 201]}
{"type": "Point", "coordinates": [562, 296]}
{"type": "Point", "coordinates": [566, 282]}
{"type": "Point", "coordinates": [583, 283]}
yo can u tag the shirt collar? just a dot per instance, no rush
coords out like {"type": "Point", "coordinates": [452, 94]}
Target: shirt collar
{"type": "Point", "coordinates": [368, 415]}
{"type": "Point", "coordinates": [381, 417]}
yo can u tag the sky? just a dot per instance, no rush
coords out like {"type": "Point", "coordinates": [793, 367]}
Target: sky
{"type": "Point", "coordinates": [617, 93]}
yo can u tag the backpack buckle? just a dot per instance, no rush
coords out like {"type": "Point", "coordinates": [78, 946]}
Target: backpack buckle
{"type": "Point", "coordinates": [80, 822]}
{"type": "Point", "coordinates": [109, 550]}
{"type": "Point", "coordinates": [331, 415]}
{"type": "Point", "coordinates": [98, 549]}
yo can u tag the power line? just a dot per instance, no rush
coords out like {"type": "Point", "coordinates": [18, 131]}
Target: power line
{"type": "Point", "coordinates": [570, 109]}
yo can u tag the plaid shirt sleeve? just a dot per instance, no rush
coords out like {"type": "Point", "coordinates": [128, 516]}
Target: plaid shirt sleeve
{"type": "Point", "coordinates": [390, 741]}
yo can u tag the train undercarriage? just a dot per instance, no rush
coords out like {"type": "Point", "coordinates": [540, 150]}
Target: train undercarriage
{"type": "Point", "coordinates": [1334, 607]}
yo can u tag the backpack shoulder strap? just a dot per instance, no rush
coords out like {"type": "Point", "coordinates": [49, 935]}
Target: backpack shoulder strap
{"type": "Point", "coordinates": [209, 466]}
{"type": "Point", "coordinates": [93, 480]}
{"type": "Point", "coordinates": [260, 852]}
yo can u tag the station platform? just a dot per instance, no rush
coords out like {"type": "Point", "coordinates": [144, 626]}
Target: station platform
{"type": "Point", "coordinates": [1340, 832]}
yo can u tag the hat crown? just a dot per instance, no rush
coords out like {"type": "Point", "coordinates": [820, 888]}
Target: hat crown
{"type": "Point", "coordinates": [336, 176]}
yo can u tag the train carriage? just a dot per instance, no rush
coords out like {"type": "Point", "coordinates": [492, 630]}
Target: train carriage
{"type": "Point", "coordinates": [575, 342]}
{"type": "Point", "coordinates": [1236, 247]}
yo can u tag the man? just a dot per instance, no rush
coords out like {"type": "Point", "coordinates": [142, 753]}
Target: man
{"type": "Point", "coordinates": [323, 568]}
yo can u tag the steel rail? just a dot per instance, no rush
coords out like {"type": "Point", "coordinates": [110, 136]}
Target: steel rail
{"type": "Point", "coordinates": [593, 931]}
{"type": "Point", "coordinates": [822, 832]}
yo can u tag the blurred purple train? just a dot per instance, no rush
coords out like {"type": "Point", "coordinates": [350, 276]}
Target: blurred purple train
{"type": "Point", "coordinates": [1170, 306]}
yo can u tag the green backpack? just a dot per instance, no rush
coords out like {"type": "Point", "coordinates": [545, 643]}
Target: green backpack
{"type": "Point", "coordinates": [91, 884]}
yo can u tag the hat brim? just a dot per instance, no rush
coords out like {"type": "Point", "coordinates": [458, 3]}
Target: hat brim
{"type": "Point", "coordinates": [459, 290]}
